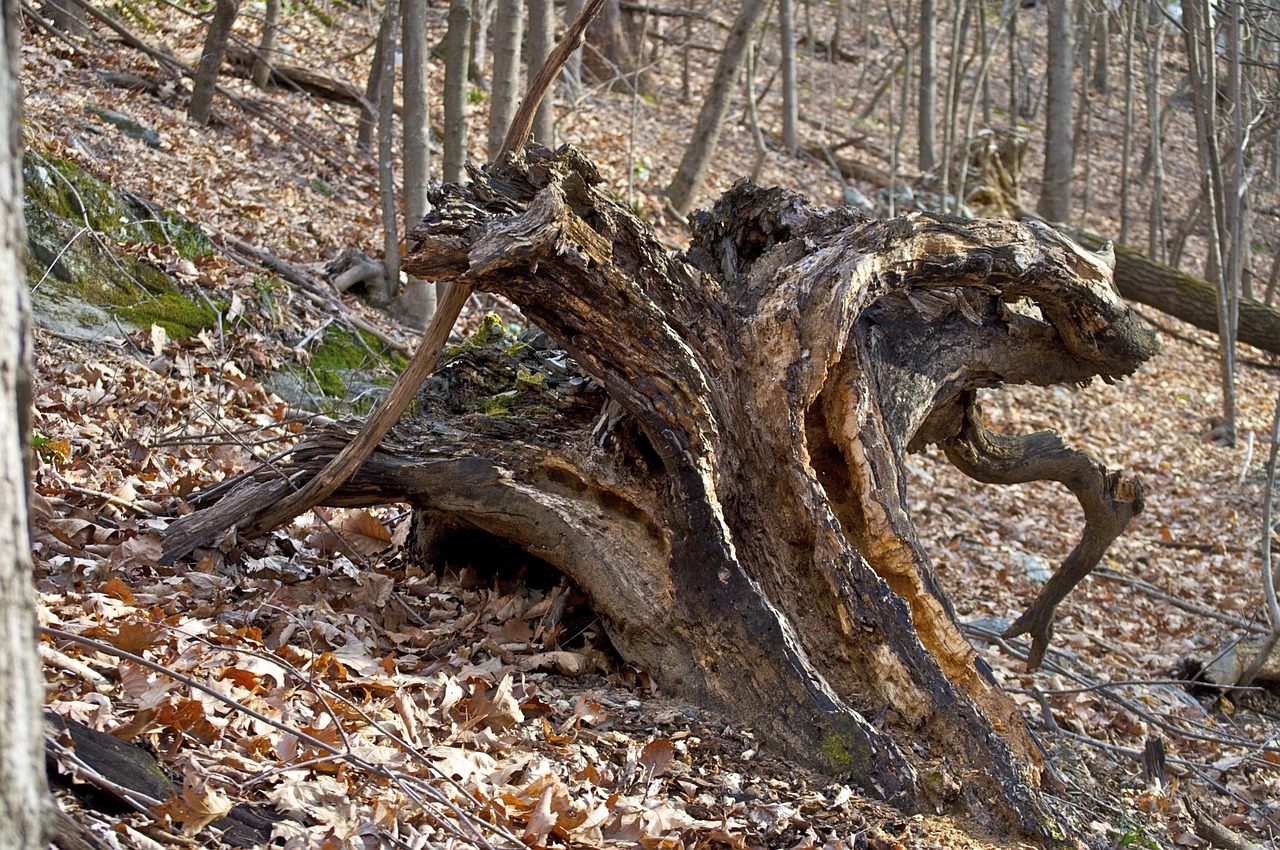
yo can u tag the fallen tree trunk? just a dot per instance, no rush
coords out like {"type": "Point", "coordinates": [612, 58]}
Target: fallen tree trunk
{"type": "Point", "coordinates": [731, 499]}
{"type": "Point", "coordinates": [1187, 297]}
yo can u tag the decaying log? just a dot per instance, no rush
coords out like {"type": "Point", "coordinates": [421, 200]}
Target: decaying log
{"type": "Point", "coordinates": [1189, 298]}
{"type": "Point", "coordinates": [743, 529]}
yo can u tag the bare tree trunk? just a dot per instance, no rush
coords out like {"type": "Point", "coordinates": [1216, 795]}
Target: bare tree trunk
{"type": "Point", "coordinates": [1101, 59]}
{"type": "Point", "coordinates": [215, 44]}
{"type": "Point", "coordinates": [24, 795]}
{"type": "Point", "coordinates": [790, 96]}
{"type": "Point", "coordinates": [367, 131]}
{"type": "Point", "coordinates": [457, 65]}
{"type": "Point", "coordinates": [688, 179]}
{"type": "Point", "coordinates": [508, 32]}
{"type": "Point", "coordinates": [386, 173]}
{"type": "Point", "coordinates": [266, 45]}
{"type": "Point", "coordinates": [542, 26]}
{"type": "Point", "coordinates": [1202, 61]}
{"type": "Point", "coordinates": [419, 300]}
{"type": "Point", "coordinates": [928, 111]}
{"type": "Point", "coordinates": [1157, 249]}
{"type": "Point", "coordinates": [1130, 11]}
{"type": "Point", "coordinates": [481, 15]}
{"type": "Point", "coordinates": [1055, 191]}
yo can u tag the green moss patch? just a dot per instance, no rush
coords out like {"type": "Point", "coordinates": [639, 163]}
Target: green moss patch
{"type": "Point", "coordinates": [79, 280]}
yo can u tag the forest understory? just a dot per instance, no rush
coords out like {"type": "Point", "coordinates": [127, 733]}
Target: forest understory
{"type": "Point", "coordinates": [366, 700]}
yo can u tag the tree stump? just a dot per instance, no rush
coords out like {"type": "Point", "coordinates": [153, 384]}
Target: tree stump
{"type": "Point", "coordinates": [727, 486]}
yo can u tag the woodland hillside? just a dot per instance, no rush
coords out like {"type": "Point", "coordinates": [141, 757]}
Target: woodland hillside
{"type": "Point", "coordinates": [324, 686]}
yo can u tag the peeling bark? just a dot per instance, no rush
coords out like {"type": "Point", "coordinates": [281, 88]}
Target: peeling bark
{"type": "Point", "coordinates": [728, 490]}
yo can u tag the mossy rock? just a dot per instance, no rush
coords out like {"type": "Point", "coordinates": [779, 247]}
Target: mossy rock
{"type": "Point", "coordinates": [348, 373]}
{"type": "Point", "coordinates": [80, 283]}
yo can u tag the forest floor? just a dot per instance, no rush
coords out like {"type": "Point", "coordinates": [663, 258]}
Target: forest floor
{"type": "Point", "coordinates": [372, 703]}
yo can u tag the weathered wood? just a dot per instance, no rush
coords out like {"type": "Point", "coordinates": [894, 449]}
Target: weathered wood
{"type": "Point", "coordinates": [743, 529]}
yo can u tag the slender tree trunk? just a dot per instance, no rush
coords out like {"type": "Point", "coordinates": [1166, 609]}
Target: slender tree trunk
{"type": "Point", "coordinates": [386, 174]}
{"type": "Point", "coordinates": [1101, 61]}
{"type": "Point", "coordinates": [1202, 61]}
{"type": "Point", "coordinates": [457, 63]}
{"type": "Point", "coordinates": [1130, 10]}
{"type": "Point", "coordinates": [419, 301]}
{"type": "Point", "coordinates": [367, 132]}
{"type": "Point", "coordinates": [215, 44]}
{"type": "Point", "coordinates": [266, 45]}
{"type": "Point", "coordinates": [481, 14]}
{"type": "Point", "coordinates": [1055, 191]}
{"type": "Point", "coordinates": [508, 31]}
{"type": "Point", "coordinates": [686, 92]}
{"type": "Point", "coordinates": [573, 68]}
{"type": "Point", "coordinates": [928, 110]}
{"type": "Point", "coordinates": [790, 97]}
{"type": "Point", "coordinates": [542, 28]}
{"type": "Point", "coordinates": [1157, 249]}
{"type": "Point", "coordinates": [23, 792]}
{"type": "Point", "coordinates": [706, 133]}
{"type": "Point", "coordinates": [1015, 79]}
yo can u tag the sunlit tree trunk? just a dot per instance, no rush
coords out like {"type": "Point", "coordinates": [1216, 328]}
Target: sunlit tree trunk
{"type": "Point", "coordinates": [215, 44]}
{"type": "Point", "coordinates": [419, 301]}
{"type": "Point", "coordinates": [1055, 191]}
{"type": "Point", "coordinates": [542, 26]}
{"type": "Point", "coordinates": [457, 63]}
{"type": "Point", "coordinates": [1202, 61]}
{"type": "Point", "coordinates": [23, 791]}
{"type": "Point", "coordinates": [689, 177]}
{"type": "Point", "coordinates": [928, 84]}
{"type": "Point", "coordinates": [508, 31]}
{"type": "Point", "coordinates": [266, 45]}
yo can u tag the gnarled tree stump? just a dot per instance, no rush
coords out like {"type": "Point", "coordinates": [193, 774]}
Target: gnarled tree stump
{"type": "Point", "coordinates": [731, 496]}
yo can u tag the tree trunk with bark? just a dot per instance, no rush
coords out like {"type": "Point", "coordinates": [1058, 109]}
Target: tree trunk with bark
{"type": "Point", "coordinates": [688, 179]}
{"type": "Point", "coordinates": [456, 64]}
{"type": "Point", "coordinates": [508, 32]}
{"type": "Point", "coordinates": [1055, 191]}
{"type": "Point", "coordinates": [200, 109]}
{"type": "Point", "coordinates": [23, 791]}
{"type": "Point", "coordinates": [729, 489]}
{"type": "Point", "coordinates": [418, 303]}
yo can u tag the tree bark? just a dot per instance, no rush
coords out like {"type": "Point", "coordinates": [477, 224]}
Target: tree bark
{"type": "Point", "coordinates": [790, 96]}
{"type": "Point", "coordinates": [386, 176]}
{"type": "Point", "coordinates": [1055, 192]}
{"type": "Point", "coordinates": [23, 790]}
{"type": "Point", "coordinates": [215, 44]}
{"type": "Point", "coordinates": [367, 129]}
{"type": "Point", "coordinates": [542, 26]}
{"type": "Point", "coordinates": [419, 300]}
{"type": "Point", "coordinates": [508, 30]}
{"type": "Point", "coordinates": [266, 45]}
{"type": "Point", "coordinates": [456, 64]}
{"type": "Point", "coordinates": [927, 109]}
{"type": "Point", "coordinates": [731, 496]}
{"type": "Point", "coordinates": [692, 171]}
